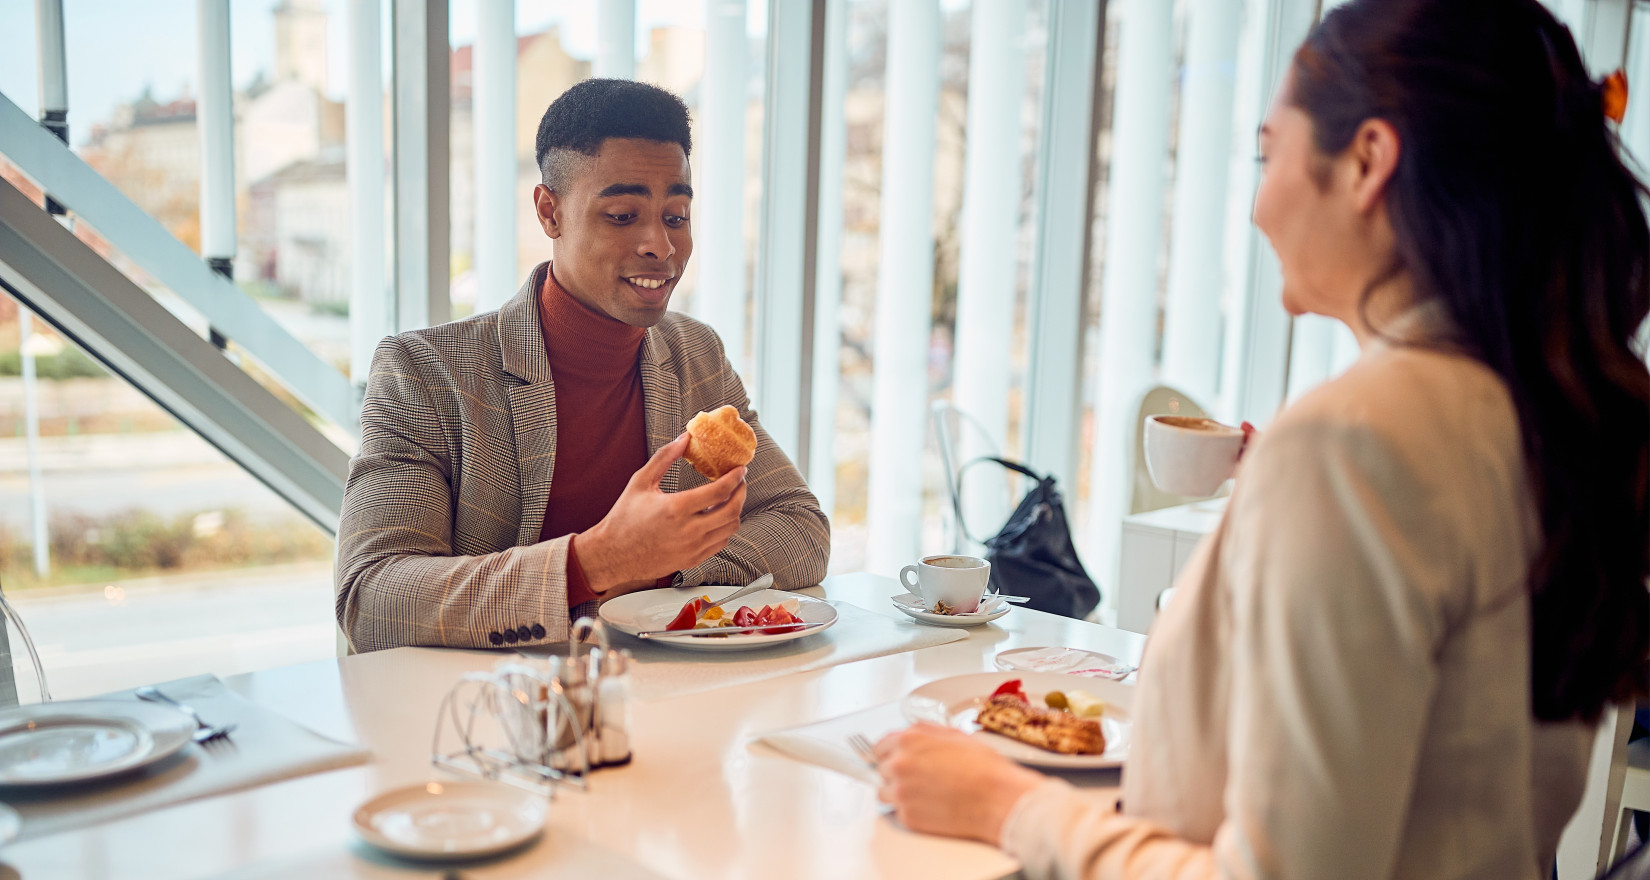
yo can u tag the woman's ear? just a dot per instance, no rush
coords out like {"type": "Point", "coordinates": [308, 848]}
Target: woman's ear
{"type": "Point", "coordinates": [547, 205]}
{"type": "Point", "coordinates": [1374, 153]}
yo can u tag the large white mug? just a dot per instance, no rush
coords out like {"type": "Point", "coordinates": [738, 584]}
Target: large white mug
{"type": "Point", "coordinates": [1191, 456]}
{"type": "Point", "coordinates": [958, 581]}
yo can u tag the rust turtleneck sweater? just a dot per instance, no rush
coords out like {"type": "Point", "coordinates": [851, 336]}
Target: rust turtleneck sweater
{"type": "Point", "coordinates": [601, 428]}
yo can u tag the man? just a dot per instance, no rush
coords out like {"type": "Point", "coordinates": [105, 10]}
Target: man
{"type": "Point", "coordinates": [519, 466]}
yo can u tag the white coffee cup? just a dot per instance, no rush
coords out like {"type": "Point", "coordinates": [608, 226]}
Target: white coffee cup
{"type": "Point", "coordinates": [958, 581]}
{"type": "Point", "coordinates": [1191, 456]}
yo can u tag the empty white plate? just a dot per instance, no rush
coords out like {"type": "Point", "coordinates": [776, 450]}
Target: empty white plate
{"type": "Point", "coordinates": [991, 609]}
{"type": "Point", "coordinates": [73, 741]}
{"type": "Point", "coordinates": [1066, 661]}
{"type": "Point", "coordinates": [451, 820]}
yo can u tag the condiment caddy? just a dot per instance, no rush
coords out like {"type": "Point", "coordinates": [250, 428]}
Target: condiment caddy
{"type": "Point", "coordinates": [538, 724]}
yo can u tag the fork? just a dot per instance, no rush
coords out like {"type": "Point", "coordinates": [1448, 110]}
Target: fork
{"type": "Point", "coordinates": [204, 733]}
{"type": "Point", "coordinates": [862, 748]}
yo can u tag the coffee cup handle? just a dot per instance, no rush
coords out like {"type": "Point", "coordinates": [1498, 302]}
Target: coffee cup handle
{"type": "Point", "coordinates": [914, 588]}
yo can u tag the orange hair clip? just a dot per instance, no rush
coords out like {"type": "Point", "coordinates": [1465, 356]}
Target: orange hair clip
{"type": "Point", "coordinates": [1613, 93]}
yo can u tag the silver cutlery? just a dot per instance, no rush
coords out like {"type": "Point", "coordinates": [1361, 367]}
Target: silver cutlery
{"type": "Point", "coordinates": [728, 630]}
{"type": "Point", "coordinates": [204, 733]}
{"type": "Point", "coordinates": [862, 748]}
{"type": "Point", "coordinates": [1017, 600]}
{"type": "Point", "coordinates": [756, 586]}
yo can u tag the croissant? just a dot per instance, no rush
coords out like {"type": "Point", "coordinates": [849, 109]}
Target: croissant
{"type": "Point", "coordinates": [719, 441]}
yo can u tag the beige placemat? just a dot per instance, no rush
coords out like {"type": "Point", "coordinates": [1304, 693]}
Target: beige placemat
{"type": "Point", "coordinates": [661, 671]}
{"type": "Point", "coordinates": [265, 747]}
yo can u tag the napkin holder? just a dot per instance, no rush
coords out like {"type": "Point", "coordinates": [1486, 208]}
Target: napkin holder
{"type": "Point", "coordinates": [500, 722]}
{"type": "Point", "coordinates": [537, 725]}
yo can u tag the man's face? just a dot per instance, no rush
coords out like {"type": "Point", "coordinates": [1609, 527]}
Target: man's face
{"type": "Point", "coordinates": [621, 228]}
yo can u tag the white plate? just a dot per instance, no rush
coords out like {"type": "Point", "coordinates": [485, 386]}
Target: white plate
{"type": "Point", "coordinates": [956, 700]}
{"type": "Point", "coordinates": [1066, 661]}
{"type": "Point", "coordinates": [653, 609]}
{"type": "Point", "coordinates": [991, 609]}
{"type": "Point", "coordinates": [81, 740]}
{"type": "Point", "coordinates": [451, 820]}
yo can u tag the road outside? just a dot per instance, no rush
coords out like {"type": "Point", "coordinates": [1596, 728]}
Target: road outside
{"type": "Point", "coordinates": [157, 629]}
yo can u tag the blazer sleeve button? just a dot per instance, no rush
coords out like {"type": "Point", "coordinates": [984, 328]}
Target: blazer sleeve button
{"type": "Point", "coordinates": [495, 638]}
{"type": "Point", "coordinates": [538, 630]}
{"type": "Point", "coordinates": [525, 634]}
{"type": "Point", "coordinates": [511, 637]}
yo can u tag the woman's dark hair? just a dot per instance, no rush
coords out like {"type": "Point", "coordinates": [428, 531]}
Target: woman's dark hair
{"type": "Point", "coordinates": [1513, 208]}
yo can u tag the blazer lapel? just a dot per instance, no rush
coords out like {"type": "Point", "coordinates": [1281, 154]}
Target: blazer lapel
{"type": "Point", "coordinates": [532, 405]}
{"type": "Point", "coordinates": [662, 403]}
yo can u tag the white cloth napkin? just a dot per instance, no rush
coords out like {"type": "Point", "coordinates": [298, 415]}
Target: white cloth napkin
{"type": "Point", "coordinates": [825, 743]}
{"type": "Point", "coordinates": [265, 747]}
{"type": "Point", "coordinates": [662, 671]}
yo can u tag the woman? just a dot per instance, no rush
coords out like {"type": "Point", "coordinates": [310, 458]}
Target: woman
{"type": "Point", "coordinates": [1387, 660]}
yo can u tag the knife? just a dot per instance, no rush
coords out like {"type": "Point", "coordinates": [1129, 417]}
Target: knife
{"type": "Point", "coordinates": [728, 630]}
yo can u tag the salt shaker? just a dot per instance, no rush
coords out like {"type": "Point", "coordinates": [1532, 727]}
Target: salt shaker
{"type": "Point", "coordinates": [570, 732]}
{"type": "Point", "coordinates": [612, 711]}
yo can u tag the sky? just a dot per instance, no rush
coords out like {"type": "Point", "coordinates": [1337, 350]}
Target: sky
{"type": "Point", "coordinates": [117, 47]}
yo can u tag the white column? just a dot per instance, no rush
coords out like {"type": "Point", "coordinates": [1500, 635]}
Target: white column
{"type": "Point", "coordinates": [615, 39]}
{"type": "Point", "coordinates": [787, 268]}
{"type": "Point", "coordinates": [828, 274]}
{"type": "Point", "coordinates": [31, 424]}
{"type": "Point", "coordinates": [1134, 221]}
{"type": "Point", "coordinates": [719, 190]}
{"type": "Point", "coordinates": [495, 153]}
{"type": "Point", "coordinates": [1635, 126]}
{"type": "Point", "coordinates": [990, 217]}
{"type": "Point", "coordinates": [370, 306]}
{"type": "Point", "coordinates": [1601, 30]}
{"type": "Point", "coordinates": [1311, 353]}
{"type": "Point", "coordinates": [1192, 317]}
{"type": "Point", "coordinates": [370, 302]}
{"type": "Point", "coordinates": [54, 115]}
{"type": "Point", "coordinates": [905, 285]}
{"type": "Point", "coordinates": [1063, 208]}
{"type": "Point", "coordinates": [423, 219]}
{"type": "Point", "coordinates": [216, 123]}
{"type": "Point", "coordinates": [54, 79]}
{"type": "Point", "coordinates": [1255, 374]}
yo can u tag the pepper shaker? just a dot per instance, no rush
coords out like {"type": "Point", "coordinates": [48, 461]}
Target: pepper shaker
{"type": "Point", "coordinates": [612, 715]}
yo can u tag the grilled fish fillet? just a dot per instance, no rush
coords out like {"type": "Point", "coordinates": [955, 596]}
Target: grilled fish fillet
{"type": "Point", "coordinates": [1048, 729]}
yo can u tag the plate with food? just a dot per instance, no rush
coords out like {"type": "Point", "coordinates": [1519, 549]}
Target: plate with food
{"type": "Point", "coordinates": [760, 620]}
{"type": "Point", "coordinates": [1040, 719]}
{"type": "Point", "coordinates": [991, 608]}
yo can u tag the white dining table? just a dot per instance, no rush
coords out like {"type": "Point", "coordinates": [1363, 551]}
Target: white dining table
{"type": "Point", "coordinates": [700, 799]}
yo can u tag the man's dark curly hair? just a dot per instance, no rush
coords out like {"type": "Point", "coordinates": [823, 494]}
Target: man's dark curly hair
{"type": "Point", "coordinates": [597, 109]}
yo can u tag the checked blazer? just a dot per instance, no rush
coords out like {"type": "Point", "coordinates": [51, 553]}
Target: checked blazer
{"type": "Point", "coordinates": [438, 540]}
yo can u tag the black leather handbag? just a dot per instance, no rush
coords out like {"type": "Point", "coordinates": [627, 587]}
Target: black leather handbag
{"type": "Point", "coordinates": [1032, 555]}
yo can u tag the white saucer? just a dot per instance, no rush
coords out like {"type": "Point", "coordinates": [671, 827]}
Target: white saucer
{"type": "Point", "coordinates": [451, 820]}
{"type": "Point", "coordinates": [914, 608]}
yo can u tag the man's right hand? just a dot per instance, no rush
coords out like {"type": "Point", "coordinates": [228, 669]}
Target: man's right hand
{"type": "Point", "coordinates": [649, 534]}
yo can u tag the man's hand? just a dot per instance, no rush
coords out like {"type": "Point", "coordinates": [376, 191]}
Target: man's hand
{"type": "Point", "coordinates": [649, 534]}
